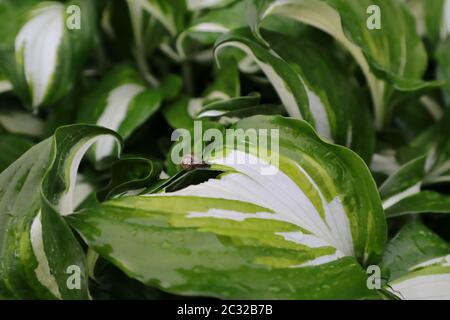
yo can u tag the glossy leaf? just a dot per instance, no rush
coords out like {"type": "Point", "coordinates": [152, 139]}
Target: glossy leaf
{"type": "Point", "coordinates": [49, 47]}
{"type": "Point", "coordinates": [422, 202]}
{"type": "Point", "coordinates": [300, 75]}
{"type": "Point", "coordinates": [390, 54]}
{"type": "Point", "coordinates": [23, 123]}
{"type": "Point", "coordinates": [12, 147]}
{"type": "Point", "coordinates": [37, 247]}
{"type": "Point", "coordinates": [121, 103]}
{"type": "Point", "coordinates": [418, 263]}
{"type": "Point", "coordinates": [246, 235]}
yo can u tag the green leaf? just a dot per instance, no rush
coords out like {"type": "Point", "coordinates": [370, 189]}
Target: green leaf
{"type": "Point", "coordinates": [131, 174]}
{"type": "Point", "coordinates": [19, 122]}
{"type": "Point", "coordinates": [176, 113]}
{"type": "Point", "coordinates": [171, 14]}
{"type": "Point", "coordinates": [422, 202]}
{"type": "Point", "coordinates": [390, 57]}
{"type": "Point", "coordinates": [209, 26]}
{"type": "Point", "coordinates": [5, 85]}
{"type": "Point", "coordinates": [434, 144]}
{"type": "Point", "coordinates": [248, 235]}
{"type": "Point", "coordinates": [121, 103]}
{"type": "Point", "coordinates": [36, 245]}
{"type": "Point", "coordinates": [418, 263]}
{"type": "Point", "coordinates": [437, 19]}
{"type": "Point", "coordinates": [148, 34]}
{"type": "Point", "coordinates": [12, 147]}
{"type": "Point", "coordinates": [51, 45]}
{"type": "Point", "coordinates": [229, 111]}
{"type": "Point", "coordinates": [225, 87]}
{"type": "Point", "coordinates": [226, 81]}
{"type": "Point", "coordinates": [202, 4]}
{"type": "Point", "coordinates": [406, 181]}
{"type": "Point", "coordinates": [444, 65]}
{"type": "Point", "coordinates": [300, 75]}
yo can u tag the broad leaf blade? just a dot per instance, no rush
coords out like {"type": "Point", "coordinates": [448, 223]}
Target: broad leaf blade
{"type": "Point", "coordinates": [418, 263]}
{"type": "Point", "coordinates": [390, 56]}
{"type": "Point", "coordinates": [36, 245]}
{"type": "Point", "coordinates": [234, 236]}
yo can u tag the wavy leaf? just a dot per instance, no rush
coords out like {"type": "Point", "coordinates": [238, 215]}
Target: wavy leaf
{"type": "Point", "coordinates": [51, 45]}
{"type": "Point", "coordinates": [171, 14]}
{"type": "Point", "coordinates": [422, 202]}
{"type": "Point", "coordinates": [419, 264]}
{"type": "Point", "coordinates": [122, 103]}
{"type": "Point", "coordinates": [300, 75]}
{"type": "Point", "coordinates": [36, 245]}
{"type": "Point", "coordinates": [247, 235]}
{"type": "Point", "coordinates": [390, 57]}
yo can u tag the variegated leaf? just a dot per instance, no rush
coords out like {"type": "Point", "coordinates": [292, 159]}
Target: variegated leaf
{"type": "Point", "coordinates": [301, 77]}
{"type": "Point", "coordinates": [37, 247]}
{"type": "Point", "coordinates": [389, 52]}
{"type": "Point", "coordinates": [48, 49]}
{"type": "Point", "coordinates": [121, 102]}
{"type": "Point", "coordinates": [250, 235]}
{"type": "Point", "coordinates": [171, 14]}
{"type": "Point", "coordinates": [419, 264]}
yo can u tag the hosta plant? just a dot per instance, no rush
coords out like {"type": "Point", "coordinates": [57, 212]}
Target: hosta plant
{"type": "Point", "coordinates": [231, 149]}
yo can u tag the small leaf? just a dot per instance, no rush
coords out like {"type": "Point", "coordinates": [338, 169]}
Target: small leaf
{"type": "Point", "coordinates": [131, 174]}
{"type": "Point", "coordinates": [422, 202]}
{"type": "Point", "coordinates": [406, 181]}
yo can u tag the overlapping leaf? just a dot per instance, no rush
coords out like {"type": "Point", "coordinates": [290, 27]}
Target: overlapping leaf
{"type": "Point", "coordinates": [418, 262]}
{"type": "Point", "coordinates": [51, 42]}
{"type": "Point", "coordinates": [390, 54]}
{"type": "Point", "coordinates": [247, 235]}
{"type": "Point", "coordinates": [301, 77]}
{"type": "Point", "coordinates": [121, 103]}
{"type": "Point", "coordinates": [37, 247]}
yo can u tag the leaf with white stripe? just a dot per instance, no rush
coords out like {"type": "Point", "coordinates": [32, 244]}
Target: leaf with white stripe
{"type": "Point", "coordinates": [301, 77]}
{"type": "Point", "coordinates": [48, 50]}
{"type": "Point", "coordinates": [301, 232]}
{"type": "Point", "coordinates": [171, 14]}
{"type": "Point", "coordinates": [434, 145]}
{"type": "Point", "coordinates": [207, 27]}
{"type": "Point", "coordinates": [422, 202]}
{"type": "Point", "coordinates": [405, 182]}
{"type": "Point", "coordinates": [203, 4]}
{"type": "Point", "coordinates": [5, 85]}
{"type": "Point", "coordinates": [446, 20]}
{"type": "Point", "coordinates": [131, 175]}
{"type": "Point", "coordinates": [121, 102]}
{"type": "Point", "coordinates": [432, 19]}
{"type": "Point", "coordinates": [22, 123]}
{"type": "Point", "coordinates": [390, 57]}
{"type": "Point", "coordinates": [418, 262]}
{"type": "Point", "coordinates": [36, 245]}
{"type": "Point", "coordinates": [230, 111]}
{"type": "Point", "coordinates": [437, 19]}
